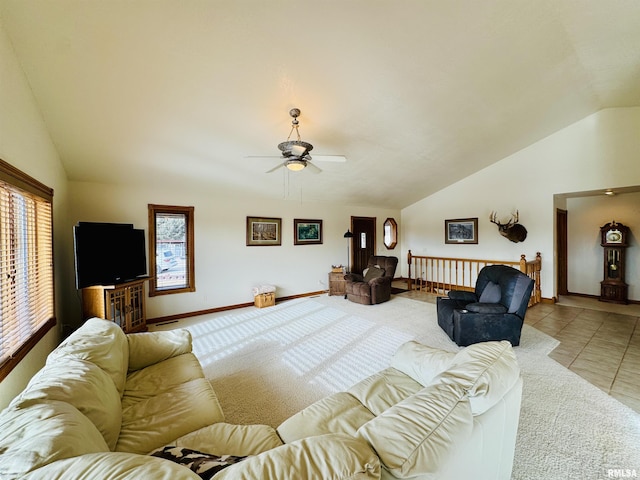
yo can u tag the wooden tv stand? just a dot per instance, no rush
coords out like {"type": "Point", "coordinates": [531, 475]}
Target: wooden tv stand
{"type": "Point", "coordinates": [123, 304]}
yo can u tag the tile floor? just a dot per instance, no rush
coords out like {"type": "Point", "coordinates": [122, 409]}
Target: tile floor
{"type": "Point", "coordinates": [598, 341]}
{"type": "Point", "coordinates": [601, 346]}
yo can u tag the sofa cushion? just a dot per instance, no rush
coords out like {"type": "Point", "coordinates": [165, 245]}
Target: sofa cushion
{"type": "Point", "coordinates": [165, 401]}
{"type": "Point", "coordinates": [83, 385]}
{"type": "Point", "coordinates": [38, 432]}
{"type": "Point", "coordinates": [206, 465]}
{"type": "Point", "coordinates": [101, 342]}
{"type": "Point", "coordinates": [149, 348]}
{"type": "Point", "coordinates": [337, 413]}
{"type": "Point", "coordinates": [488, 370]}
{"type": "Point", "coordinates": [384, 389]}
{"type": "Point", "coordinates": [162, 376]}
{"type": "Point", "coordinates": [491, 293]}
{"type": "Point", "coordinates": [335, 457]}
{"type": "Point", "coordinates": [225, 438]}
{"type": "Point", "coordinates": [421, 362]}
{"type": "Point", "coordinates": [520, 287]}
{"type": "Point", "coordinates": [419, 435]}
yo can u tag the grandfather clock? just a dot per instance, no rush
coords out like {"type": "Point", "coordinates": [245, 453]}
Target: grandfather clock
{"type": "Point", "coordinates": [614, 240]}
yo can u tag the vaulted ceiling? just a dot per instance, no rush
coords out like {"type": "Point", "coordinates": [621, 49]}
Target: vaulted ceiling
{"type": "Point", "coordinates": [417, 94]}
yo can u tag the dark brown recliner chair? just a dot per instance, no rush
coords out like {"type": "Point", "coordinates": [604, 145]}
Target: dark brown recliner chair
{"type": "Point", "coordinates": [375, 285]}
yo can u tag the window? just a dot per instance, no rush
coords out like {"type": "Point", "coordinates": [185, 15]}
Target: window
{"type": "Point", "coordinates": [171, 252]}
{"type": "Point", "coordinates": [27, 310]}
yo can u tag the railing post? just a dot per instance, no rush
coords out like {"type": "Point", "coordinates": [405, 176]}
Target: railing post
{"type": "Point", "coordinates": [409, 274]}
{"type": "Point", "coordinates": [538, 267]}
{"type": "Point", "coordinates": [523, 264]}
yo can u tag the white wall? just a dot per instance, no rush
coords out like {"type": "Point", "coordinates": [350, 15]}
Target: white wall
{"type": "Point", "coordinates": [25, 144]}
{"type": "Point", "coordinates": [226, 269]}
{"type": "Point", "coordinates": [598, 152]}
{"type": "Point", "coordinates": [585, 255]}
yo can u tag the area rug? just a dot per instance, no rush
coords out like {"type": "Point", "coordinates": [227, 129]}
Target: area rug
{"type": "Point", "coordinates": [398, 290]}
{"type": "Point", "coordinates": [267, 364]}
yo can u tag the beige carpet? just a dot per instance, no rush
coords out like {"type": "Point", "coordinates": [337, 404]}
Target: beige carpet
{"type": "Point", "coordinates": [266, 364]}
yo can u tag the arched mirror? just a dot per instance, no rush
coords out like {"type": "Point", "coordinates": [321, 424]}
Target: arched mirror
{"type": "Point", "coordinates": [390, 233]}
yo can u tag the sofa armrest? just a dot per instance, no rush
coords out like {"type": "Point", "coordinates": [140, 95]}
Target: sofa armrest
{"type": "Point", "coordinates": [123, 466]}
{"type": "Point", "coordinates": [353, 277]}
{"type": "Point", "coordinates": [421, 362]}
{"type": "Point", "coordinates": [478, 307]}
{"type": "Point", "coordinates": [380, 289]}
{"type": "Point", "coordinates": [462, 295]}
{"type": "Point", "coordinates": [150, 348]}
{"type": "Point", "coordinates": [334, 456]}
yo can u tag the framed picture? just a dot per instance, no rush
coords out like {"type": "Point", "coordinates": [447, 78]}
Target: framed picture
{"type": "Point", "coordinates": [307, 232]}
{"type": "Point", "coordinates": [462, 230]}
{"type": "Point", "coordinates": [263, 231]}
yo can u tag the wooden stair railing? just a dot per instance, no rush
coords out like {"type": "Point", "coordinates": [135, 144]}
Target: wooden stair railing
{"type": "Point", "coordinates": [438, 275]}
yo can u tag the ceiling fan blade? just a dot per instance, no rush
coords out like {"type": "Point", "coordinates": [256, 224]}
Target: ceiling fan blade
{"type": "Point", "coordinates": [313, 168]}
{"type": "Point", "coordinates": [275, 168]}
{"type": "Point", "coordinates": [263, 156]}
{"type": "Point", "coordinates": [329, 158]}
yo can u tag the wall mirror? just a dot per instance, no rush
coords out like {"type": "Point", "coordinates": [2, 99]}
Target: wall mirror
{"type": "Point", "coordinates": [390, 233]}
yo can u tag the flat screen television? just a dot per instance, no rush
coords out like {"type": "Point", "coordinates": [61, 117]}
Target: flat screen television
{"type": "Point", "coordinates": [108, 253]}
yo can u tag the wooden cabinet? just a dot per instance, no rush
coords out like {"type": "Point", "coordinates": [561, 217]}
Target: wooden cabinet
{"type": "Point", "coordinates": [123, 304]}
{"type": "Point", "coordinates": [336, 283]}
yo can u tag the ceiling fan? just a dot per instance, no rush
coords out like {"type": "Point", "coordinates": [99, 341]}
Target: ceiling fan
{"type": "Point", "coordinates": [295, 153]}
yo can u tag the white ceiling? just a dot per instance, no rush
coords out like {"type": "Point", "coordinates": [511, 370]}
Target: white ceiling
{"type": "Point", "coordinates": [417, 94]}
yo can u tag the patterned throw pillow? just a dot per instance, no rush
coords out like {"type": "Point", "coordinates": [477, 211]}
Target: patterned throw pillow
{"type": "Point", "coordinates": [204, 464]}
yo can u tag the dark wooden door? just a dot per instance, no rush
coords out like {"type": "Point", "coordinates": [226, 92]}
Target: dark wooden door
{"type": "Point", "coordinates": [561, 250]}
{"type": "Point", "coordinates": [363, 243]}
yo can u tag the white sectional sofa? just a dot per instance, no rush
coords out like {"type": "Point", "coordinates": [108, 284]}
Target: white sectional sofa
{"type": "Point", "coordinates": [431, 415]}
{"type": "Point", "coordinates": [105, 400]}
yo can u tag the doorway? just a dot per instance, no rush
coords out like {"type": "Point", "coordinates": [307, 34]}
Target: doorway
{"type": "Point", "coordinates": [363, 244]}
{"type": "Point", "coordinates": [561, 249]}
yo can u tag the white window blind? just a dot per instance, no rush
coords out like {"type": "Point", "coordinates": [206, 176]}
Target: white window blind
{"type": "Point", "coordinates": [26, 263]}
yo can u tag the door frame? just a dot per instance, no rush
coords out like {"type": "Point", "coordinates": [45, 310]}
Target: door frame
{"type": "Point", "coordinates": [562, 272]}
{"type": "Point", "coordinates": [371, 224]}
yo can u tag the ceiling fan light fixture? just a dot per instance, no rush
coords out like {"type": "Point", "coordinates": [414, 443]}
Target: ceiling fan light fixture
{"type": "Point", "coordinates": [295, 151]}
{"type": "Point", "coordinates": [300, 150]}
{"type": "Point", "coordinates": [295, 148]}
{"type": "Point", "coordinates": [296, 164]}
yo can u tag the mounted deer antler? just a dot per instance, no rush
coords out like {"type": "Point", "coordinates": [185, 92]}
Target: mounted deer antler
{"type": "Point", "coordinates": [512, 229]}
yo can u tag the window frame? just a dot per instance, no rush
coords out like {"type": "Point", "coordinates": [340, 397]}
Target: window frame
{"type": "Point", "coordinates": [19, 181]}
{"type": "Point", "coordinates": [390, 225]}
{"type": "Point", "coordinates": [190, 244]}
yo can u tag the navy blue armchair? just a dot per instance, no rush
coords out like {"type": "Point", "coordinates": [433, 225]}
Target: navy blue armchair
{"type": "Point", "coordinates": [494, 311]}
